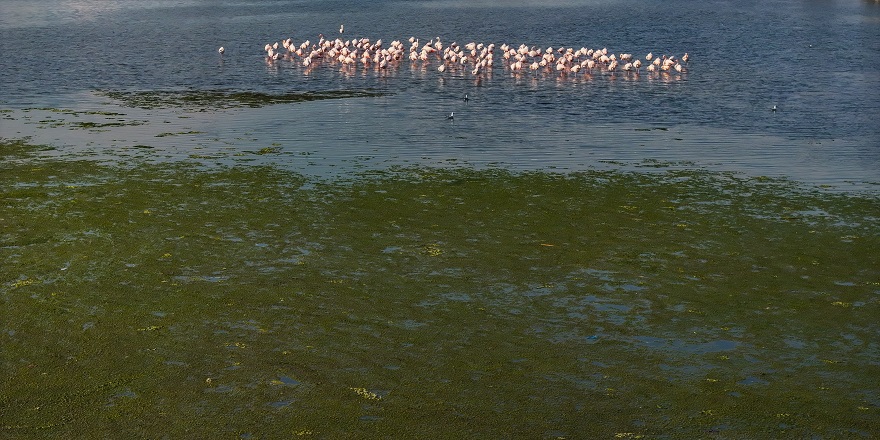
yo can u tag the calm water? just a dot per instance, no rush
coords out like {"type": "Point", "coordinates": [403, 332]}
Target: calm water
{"type": "Point", "coordinates": [819, 62]}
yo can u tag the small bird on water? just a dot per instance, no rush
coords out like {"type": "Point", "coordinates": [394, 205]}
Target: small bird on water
{"type": "Point", "coordinates": [451, 116]}
{"type": "Point", "coordinates": [221, 50]}
{"type": "Point", "coordinates": [341, 28]}
{"type": "Point", "coordinates": [465, 99]}
{"type": "Point", "coordinates": [774, 108]}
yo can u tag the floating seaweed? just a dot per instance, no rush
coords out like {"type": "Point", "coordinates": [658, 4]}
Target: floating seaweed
{"type": "Point", "coordinates": [226, 99]}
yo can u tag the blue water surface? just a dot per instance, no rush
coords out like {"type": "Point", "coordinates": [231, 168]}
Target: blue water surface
{"type": "Point", "coordinates": [818, 62]}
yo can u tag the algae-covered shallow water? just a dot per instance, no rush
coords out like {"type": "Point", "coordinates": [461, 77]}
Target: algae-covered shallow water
{"type": "Point", "coordinates": [206, 245]}
{"type": "Point", "coordinates": [152, 300]}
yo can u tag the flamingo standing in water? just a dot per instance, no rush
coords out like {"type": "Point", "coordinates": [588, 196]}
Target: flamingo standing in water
{"type": "Point", "coordinates": [476, 58]}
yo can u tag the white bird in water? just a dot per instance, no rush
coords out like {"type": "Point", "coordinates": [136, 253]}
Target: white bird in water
{"type": "Point", "coordinates": [774, 108]}
{"type": "Point", "coordinates": [535, 66]}
{"type": "Point", "coordinates": [221, 50]}
{"type": "Point", "coordinates": [468, 59]}
{"type": "Point", "coordinates": [451, 116]}
{"type": "Point", "coordinates": [465, 99]}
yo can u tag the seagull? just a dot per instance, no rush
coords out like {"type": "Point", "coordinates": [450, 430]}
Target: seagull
{"type": "Point", "coordinates": [341, 28]}
{"type": "Point", "coordinates": [774, 108]}
{"type": "Point", "coordinates": [451, 116]}
{"type": "Point", "coordinates": [221, 50]}
{"type": "Point", "coordinates": [465, 99]}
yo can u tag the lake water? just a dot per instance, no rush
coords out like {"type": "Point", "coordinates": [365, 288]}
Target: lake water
{"type": "Point", "coordinates": [204, 246]}
{"type": "Point", "coordinates": [818, 62]}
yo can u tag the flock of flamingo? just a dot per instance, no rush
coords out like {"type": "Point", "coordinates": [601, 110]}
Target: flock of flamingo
{"type": "Point", "coordinates": [474, 58]}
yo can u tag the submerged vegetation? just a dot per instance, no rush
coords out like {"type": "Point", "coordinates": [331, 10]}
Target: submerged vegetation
{"type": "Point", "coordinates": [225, 99]}
{"type": "Point", "coordinates": [179, 300]}
{"type": "Point", "coordinates": [73, 119]}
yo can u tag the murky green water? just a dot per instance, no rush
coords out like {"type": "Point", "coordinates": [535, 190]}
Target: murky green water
{"type": "Point", "coordinates": [154, 300]}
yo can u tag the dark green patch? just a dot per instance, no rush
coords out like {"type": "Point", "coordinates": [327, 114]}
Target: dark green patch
{"type": "Point", "coordinates": [77, 112]}
{"type": "Point", "coordinates": [94, 125]}
{"type": "Point", "coordinates": [223, 99]}
{"type": "Point", "coordinates": [206, 156]}
{"type": "Point", "coordinates": [71, 118]}
{"type": "Point", "coordinates": [179, 133]}
{"type": "Point", "coordinates": [269, 150]}
{"type": "Point", "coordinates": [177, 301]}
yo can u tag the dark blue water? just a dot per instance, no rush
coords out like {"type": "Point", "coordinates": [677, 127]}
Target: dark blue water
{"type": "Point", "coordinates": [817, 61]}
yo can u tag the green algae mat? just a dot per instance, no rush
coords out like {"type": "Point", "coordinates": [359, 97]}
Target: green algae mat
{"type": "Point", "coordinates": [224, 99]}
{"type": "Point", "coordinates": [184, 301]}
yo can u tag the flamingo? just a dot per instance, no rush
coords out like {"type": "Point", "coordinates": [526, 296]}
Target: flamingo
{"type": "Point", "coordinates": [477, 57]}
